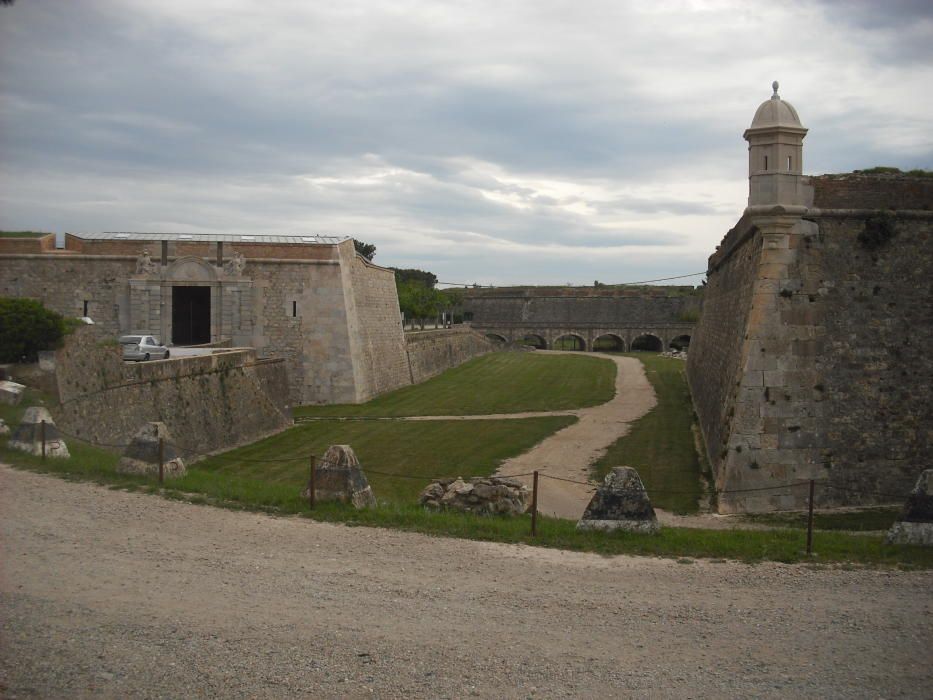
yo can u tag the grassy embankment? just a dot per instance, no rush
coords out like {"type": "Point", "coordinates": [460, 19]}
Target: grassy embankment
{"type": "Point", "coordinates": [660, 444]}
{"type": "Point", "coordinates": [230, 481]}
{"type": "Point", "coordinates": [496, 383]}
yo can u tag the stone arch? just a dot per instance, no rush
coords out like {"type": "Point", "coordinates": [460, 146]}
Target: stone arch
{"type": "Point", "coordinates": [647, 342]}
{"type": "Point", "coordinates": [609, 342]}
{"type": "Point", "coordinates": [497, 339]}
{"type": "Point", "coordinates": [190, 269]}
{"type": "Point", "coordinates": [535, 340]}
{"type": "Point", "coordinates": [681, 342]}
{"type": "Point", "coordinates": [569, 341]}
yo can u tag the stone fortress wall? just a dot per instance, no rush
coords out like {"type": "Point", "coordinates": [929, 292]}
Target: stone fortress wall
{"type": "Point", "coordinates": [811, 358]}
{"type": "Point", "coordinates": [201, 399]}
{"type": "Point", "coordinates": [588, 312]}
{"type": "Point", "coordinates": [330, 315]}
{"type": "Point", "coordinates": [432, 352]}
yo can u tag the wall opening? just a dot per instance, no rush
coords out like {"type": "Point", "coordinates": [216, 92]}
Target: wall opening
{"type": "Point", "coordinates": [681, 342]}
{"type": "Point", "coordinates": [535, 341]}
{"type": "Point", "coordinates": [609, 343]}
{"type": "Point", "coordinates": [86, 304]}
{"type": "Point", "coordinates": [191, 315]}
{"type": "Point", "coordinates": [766, 162]}
{"type": "Point", "coordinates": [647, 343]}
{"type": "Point", "coordinates": [294, 309]}
{"type": "Point", "coordinates": [496, 338]}
{"type": "Point", "coordinates": [569, 342]}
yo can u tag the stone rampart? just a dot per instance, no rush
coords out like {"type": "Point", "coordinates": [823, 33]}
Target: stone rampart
{"type": "Point", "coordinates": [811, 358]}
{"type": "Point", "coordinates": [432, 352]}
{"type": "Point", "coordinates": [862, 191]}
{"type": "Point", "coordinates": [208, 402]}
{"type": "Point", "coordinates": [379, 345]}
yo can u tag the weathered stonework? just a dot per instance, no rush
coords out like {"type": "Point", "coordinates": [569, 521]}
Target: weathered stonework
{"type": "Point", "coordinates": [143, 454]}
{"type": "Point", "coordinates": [332, 316]}
{"type": "Point", "coordinates": [915, 524]}
{"type": "Point", "coordinates": [483, 495]}
{"type": "Point", "coordinates": [339, 477]}
{"type": "Point", "coordinates": [589, 313]}
{"type": "Point", "coordinates": [811, 359]}
{"type": "Point", "coordinates": [208, 403]}
{"type": "Point", "coordinates": [37, 434]}
{"type": "Point", "coordinates": [620, 503]}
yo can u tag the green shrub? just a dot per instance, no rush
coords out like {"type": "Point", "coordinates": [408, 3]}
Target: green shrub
{"type": "Point", "coordinates": [26, 327]}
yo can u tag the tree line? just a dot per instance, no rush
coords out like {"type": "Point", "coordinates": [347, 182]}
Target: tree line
{"type": "Point", "coordinates": [418, 296]}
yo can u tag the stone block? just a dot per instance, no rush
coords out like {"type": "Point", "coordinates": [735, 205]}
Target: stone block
{"type": "Point", "coordinates": [142, 454]}
{"type": "Point", "coordinates": [620, 503]}
{"type": "Point", "coordinates": [338, 476]}
{"type": "Point", "coordinates": [482, 495]}
{"type": "Point", "coordinates": [915, 524]}
{"type": "Point", "coordinates": [28, 436]}
{"type": "Point", "coordinates": [11, 393]}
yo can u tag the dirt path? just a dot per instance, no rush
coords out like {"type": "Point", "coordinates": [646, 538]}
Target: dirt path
{"type": "Point", "coordinates": [107, 594]}
{"type": "Point", "coordinates": [569, 453]}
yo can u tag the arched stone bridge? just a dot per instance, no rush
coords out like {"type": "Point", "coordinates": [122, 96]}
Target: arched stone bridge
{"type": "Point", "coordinates": [589, 337]}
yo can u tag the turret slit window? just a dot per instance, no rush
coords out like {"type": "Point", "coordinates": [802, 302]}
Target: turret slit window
{"type": "Point", "coordinates": [294, 309]}
{"type": "Point", "coordinates": [85, 307]}
{"type": "Point", "coordinates": [788, 162]}
{"type": "Point", "coordinates": [766, 162]}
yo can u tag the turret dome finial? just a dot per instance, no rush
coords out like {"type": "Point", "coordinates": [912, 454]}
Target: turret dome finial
{"type": "Point", "coordinates": [774, 86]}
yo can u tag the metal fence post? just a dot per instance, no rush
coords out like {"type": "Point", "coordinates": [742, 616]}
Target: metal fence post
{"type": "Point", "coordinates": [534, 506]}
{"type": "Point", "coordinates": [810, 521]}
{"type": "Point", "coordinates": [42, 434]}
{"type": "Point", "coordinates": [161, 460]}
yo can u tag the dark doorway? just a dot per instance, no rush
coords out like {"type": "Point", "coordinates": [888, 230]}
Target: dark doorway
{"type": "Point", "coordinates": [647, 343]}
{"type": "Point", "coordinates": [191, 315]}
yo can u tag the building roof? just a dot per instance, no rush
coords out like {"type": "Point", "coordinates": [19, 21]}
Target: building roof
{"type": "Point", "coordinates": [775, 112]}
{"type": "Point", "coordinates": [287, 238]}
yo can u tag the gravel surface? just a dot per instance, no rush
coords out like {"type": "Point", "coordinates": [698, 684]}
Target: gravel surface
{"type": "Point", "coordinates": [569, 453]}
{"type": "Point", "coordinates": [111, 594]}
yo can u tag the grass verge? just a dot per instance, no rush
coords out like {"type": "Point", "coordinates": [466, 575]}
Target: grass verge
{"type": "Point", "coordinates": [857, 520]}
{"type": "Point", "coordinates": [660, 444]}
{"type": "Point", "coordinates": [418, 449]}
{"type": "Point", "coordinates": [502, 382]}
{"type": "Point", "coordinates": [244, 493]}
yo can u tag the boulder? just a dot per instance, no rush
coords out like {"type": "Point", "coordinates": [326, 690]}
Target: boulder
{"type": "Point", "coordinates": [620, 503]}
{"type": "Point", "coordinates": [485, 495]}
{"type": "Point", "coordinates": [11, 393]}
{"type": "Point", "coordinates": [4, 428]}
{"type": "Point", "coordinates": [338, 476]}
{"type": "Point", "coordinates": [28, 435]}
{"type": "Point", "coordinates": [142, 454]}
{"type": "Point", "coordinates": [915, 523]}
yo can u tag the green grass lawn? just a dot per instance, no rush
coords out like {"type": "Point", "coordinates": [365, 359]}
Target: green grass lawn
{"type": "Point", "coordinates": [660, 444]}
{"type": "Point", "coordinates": [418, 449]}
{"type": "Point", "coordinates": [502, 382]}
{"type": "Point", "coordinates": [859, 520]}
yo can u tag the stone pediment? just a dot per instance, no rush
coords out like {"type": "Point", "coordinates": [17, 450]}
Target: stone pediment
{"type": "Point", "coordinates": [190, 269]}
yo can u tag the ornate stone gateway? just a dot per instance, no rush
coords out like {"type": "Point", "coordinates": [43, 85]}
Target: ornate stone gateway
{"type": "Point", "coordinates": [190, 301]}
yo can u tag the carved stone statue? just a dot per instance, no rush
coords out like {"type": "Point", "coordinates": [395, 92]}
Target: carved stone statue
{"type": "Point", "coordinates": [236, 264]}
{"type": "Point", "coordinates": [144, 264]}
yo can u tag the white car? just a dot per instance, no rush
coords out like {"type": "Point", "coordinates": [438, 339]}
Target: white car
{"type": "Point", "coordinates": [142, 347]}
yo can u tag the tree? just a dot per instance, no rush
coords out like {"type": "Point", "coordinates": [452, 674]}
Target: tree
{"type": "Point", "coordinates": [428, 279]}
{"type": "Point", "coordinates": [367, 250]}
{"type": "Point", "coordinates": [26, 327]}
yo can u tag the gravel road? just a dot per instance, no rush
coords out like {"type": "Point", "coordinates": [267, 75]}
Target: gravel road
{"type": "Point", "coordinates": [111, 594]}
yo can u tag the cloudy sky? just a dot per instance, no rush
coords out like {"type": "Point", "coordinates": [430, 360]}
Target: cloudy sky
{"type": "Point", "coordinates": [492, 142]}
